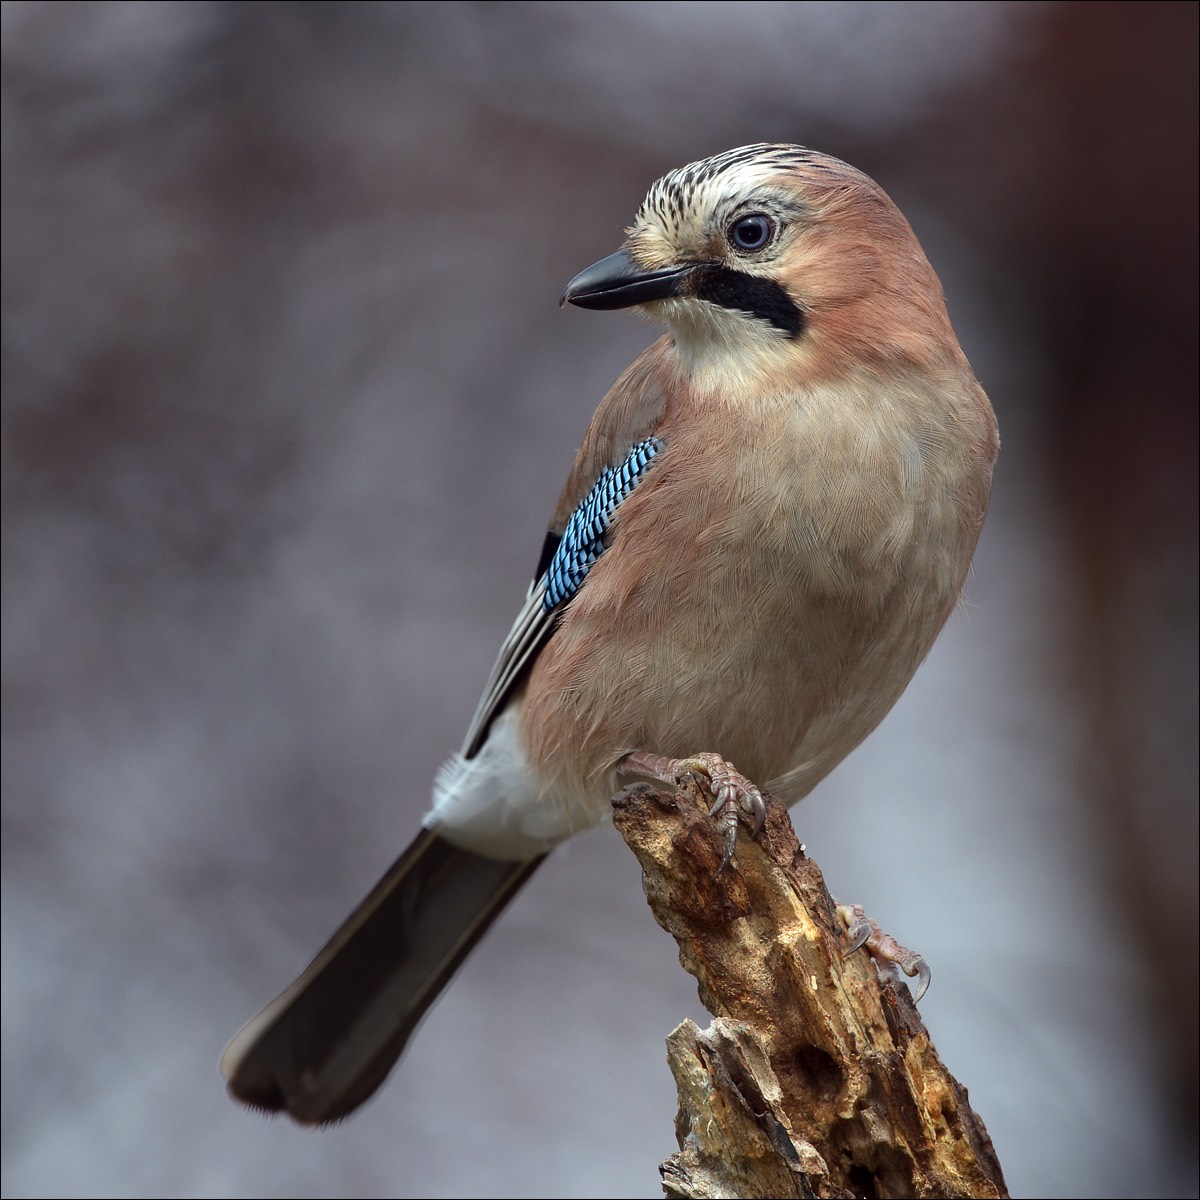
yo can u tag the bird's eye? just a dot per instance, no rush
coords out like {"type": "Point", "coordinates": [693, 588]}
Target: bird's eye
{"type": "Point", "coordinates": [752, 232]}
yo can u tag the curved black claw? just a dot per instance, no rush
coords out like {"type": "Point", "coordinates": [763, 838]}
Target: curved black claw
{"type": "Point", "coordinates": [724, 808]}
{"type": "Point", "coordinates": [924, 975]}
{"type": "Point", "coordinates": [728, 795]}
{"type": "Point", "coordinates": [857, 935]}
{"type": "Point", "coordinates": [727, 857]}
{"type": "Point", "coordinates": [756, 806]}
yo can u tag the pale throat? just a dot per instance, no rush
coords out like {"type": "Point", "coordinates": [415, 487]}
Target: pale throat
{"type": "Point", "coordinates": [725, 356]}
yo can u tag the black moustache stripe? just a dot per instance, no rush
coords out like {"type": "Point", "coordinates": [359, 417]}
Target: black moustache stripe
{"type": "Point", "coordinates": [761, 298]}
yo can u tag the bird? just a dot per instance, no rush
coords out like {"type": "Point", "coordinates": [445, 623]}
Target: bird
{"type": "Point", "coordinates": [769, 520]}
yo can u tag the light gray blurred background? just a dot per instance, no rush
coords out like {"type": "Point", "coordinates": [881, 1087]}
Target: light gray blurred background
{"type": "Point", "coordinates": [287, 400]}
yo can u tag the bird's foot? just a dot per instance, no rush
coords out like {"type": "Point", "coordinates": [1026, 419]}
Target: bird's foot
{"type": "Point", "coordinates": [882, 947]}
{"type": "Point", "coordinates": [730, 789]}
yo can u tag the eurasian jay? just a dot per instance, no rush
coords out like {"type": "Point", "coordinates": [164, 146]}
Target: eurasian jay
{"type": "Point", "coordinates": [770, 518]}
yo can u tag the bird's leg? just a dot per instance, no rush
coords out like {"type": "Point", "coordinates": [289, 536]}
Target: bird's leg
{"type": "Point", "coordinates": [882, 947]}
{"type": "Point", "coordinates": [730, 789]}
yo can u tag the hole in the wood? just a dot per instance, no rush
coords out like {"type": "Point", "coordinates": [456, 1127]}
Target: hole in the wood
{"type": "Point", "coordinates": [890, 1175]}
{"type": "Point", "coordinates": [861, 1183]}
{"type": "Point", "coordinates": [819, 1072]}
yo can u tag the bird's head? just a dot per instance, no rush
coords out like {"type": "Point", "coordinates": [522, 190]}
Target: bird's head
{"type": "Point", "coordinates": [770, 259]}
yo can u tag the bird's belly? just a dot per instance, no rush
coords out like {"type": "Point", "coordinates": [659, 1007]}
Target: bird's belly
{"type": "Point", "coordinates": [778, 655]}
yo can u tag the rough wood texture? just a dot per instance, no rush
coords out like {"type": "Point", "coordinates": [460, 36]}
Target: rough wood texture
{"type": "Point", "coordinates": [818, 1077]}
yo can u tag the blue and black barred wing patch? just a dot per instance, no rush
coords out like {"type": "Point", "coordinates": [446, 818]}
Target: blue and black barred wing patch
{"type": "Point", "coordinates": [565, 562]}
{"type": "Point", "coordinates": [582, 541]}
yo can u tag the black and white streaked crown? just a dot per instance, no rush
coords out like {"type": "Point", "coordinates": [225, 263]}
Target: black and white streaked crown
{"type": "Point", "coordinates": [677, 193]}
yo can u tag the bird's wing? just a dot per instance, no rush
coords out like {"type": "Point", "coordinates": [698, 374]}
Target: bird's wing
{"type": "Point", "coordinates": [618, 448]}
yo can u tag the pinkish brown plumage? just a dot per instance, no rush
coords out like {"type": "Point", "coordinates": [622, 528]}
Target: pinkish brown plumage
{"type": "Point", "coordinates": [770, 518]}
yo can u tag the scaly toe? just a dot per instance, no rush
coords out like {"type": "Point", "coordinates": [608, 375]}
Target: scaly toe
{"type": "Point", "coordinates": [731, 790]}
{"type": "Point", "coordinates": [882, 947]}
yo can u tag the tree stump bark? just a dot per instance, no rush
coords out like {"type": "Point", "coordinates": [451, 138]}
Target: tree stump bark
{"type": "Point", "coordinates": [817, 1077]}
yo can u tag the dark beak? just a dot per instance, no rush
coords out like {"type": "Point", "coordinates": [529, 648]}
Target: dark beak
{"type": "Point", "coordinates": [618, 282]}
